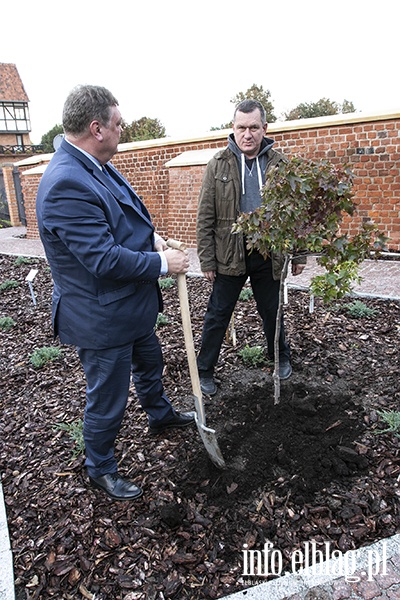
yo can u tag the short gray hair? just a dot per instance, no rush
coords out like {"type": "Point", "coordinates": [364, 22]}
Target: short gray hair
{"type": "Point", "coordinates": [248, 106]}
{"type": "Point", "coordinates": [84, 104]}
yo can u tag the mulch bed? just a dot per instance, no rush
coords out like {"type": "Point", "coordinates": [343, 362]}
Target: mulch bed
{"type": "Point", "coordinates": [315, 467]}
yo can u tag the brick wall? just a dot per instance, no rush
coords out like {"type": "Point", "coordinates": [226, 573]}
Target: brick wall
{"type": "Point", "coordinates": [10, 139]}
{"type": "Point", "coordinates": [184, 185]}
{"type": "Point", "coordinates": [369, 143]}
{"type": "Point", "coordinates": [372, 149]}
{"type": "Point", "coordinates": [144, 165]}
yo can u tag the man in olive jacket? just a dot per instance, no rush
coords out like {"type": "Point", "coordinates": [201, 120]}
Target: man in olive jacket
{"type": "Point", "coordinates": [231, 185]}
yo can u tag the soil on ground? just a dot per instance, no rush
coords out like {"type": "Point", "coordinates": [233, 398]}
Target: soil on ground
{"type": "Point", "coordinates": [316, 467]}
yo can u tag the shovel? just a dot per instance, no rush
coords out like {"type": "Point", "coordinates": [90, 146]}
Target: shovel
{"type": "Point", "coordinates": [207, 435]}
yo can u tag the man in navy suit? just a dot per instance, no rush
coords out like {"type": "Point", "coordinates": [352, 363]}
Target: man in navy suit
{"type": "Point", "coordinates": [105, 259]}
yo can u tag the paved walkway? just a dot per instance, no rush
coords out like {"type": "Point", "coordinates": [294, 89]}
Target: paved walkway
{"type": "Point", "coordinates": [377, 567]}
{"type": "Point", "coordinates": [380, 279]}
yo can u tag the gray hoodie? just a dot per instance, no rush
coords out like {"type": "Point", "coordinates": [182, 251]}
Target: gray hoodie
{"type": "Point", "coordinates": [252, 173]}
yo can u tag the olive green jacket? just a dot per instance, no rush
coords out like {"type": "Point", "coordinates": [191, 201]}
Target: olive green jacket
{"type": "Point", "coordinates": [218, 248]}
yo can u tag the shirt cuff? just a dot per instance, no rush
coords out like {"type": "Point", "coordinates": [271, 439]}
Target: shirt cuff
{"type": "Point", "coordinates": [164, 264]}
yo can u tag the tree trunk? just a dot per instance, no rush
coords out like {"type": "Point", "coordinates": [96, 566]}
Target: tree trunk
{"type": "Point", "coordinates": [277, 381]}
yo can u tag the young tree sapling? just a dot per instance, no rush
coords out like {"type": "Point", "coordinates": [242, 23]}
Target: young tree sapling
{"type": "Point", "coordinates": [302, 210]}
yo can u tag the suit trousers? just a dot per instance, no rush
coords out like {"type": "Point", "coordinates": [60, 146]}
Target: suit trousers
{"type": "Point", "coordinates": [108, 376]}
{"type": "Point", "coordinates": [221, 304]}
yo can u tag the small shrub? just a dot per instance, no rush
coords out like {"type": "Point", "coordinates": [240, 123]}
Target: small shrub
{"type": "Point", "coordinates": [166, 282]}
{"type": "Point", "coordinates": [359, 310]}
{"type": "Point", "coordinates": [75, 432]}
{"type": "Point", "coordinates": [8, 284]}
{"type": "Point", "coordinates": [161, 320]}
{"type": "Point", "coordinates": [6, 323]}
{"type": "Point", "coordinates": [41, 356]}
{"type": "Point", "coordinates": [246, 294]}
{"type": "Point", "coordinates": [392, 419]}
{"type": "Point", "coordinates": [252, 356]}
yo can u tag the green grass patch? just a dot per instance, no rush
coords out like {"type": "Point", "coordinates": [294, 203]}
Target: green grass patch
{"type": "Point", "coordinates": [161, 320]}
{"type": "Point", "coordinates": [166, 282]}
{"type": "Point", "coordinates": [41, 356]}
{"type": "Point", "coordinates": [252, 356]}
{"type": "Point", "coordinates": [246, 294]}
{"type": "Point", "coordinates": [24, 260]}
{"type": "Point", "coordinates": [391, 418]}
{"type": "Point", "coordinates": [359, 310]}
{"type": "Point", "coordinates": [6, 323]}
{"type": "Point", "coordinates": [9, 284]}
{"type": "Point", "coordinates": [75, 432]}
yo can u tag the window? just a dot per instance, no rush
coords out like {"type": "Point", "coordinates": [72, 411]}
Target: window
{"type": "Point", "coordinates": [14, 116]}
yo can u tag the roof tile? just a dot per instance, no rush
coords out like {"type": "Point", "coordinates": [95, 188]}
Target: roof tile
{"type": "Point", "coordinates": [11, 86]}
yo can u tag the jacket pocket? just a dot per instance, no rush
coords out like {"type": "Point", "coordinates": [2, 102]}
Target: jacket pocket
{"type": "Point", "coordinates": [108, 296]}
{"type": "Point", "coordinates": [226, 246]}
{"type": "Point", "coordinates": [225, 192]}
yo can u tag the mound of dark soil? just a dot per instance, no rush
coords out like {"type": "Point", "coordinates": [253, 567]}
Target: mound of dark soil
{"type": "Point", "coordinates": [315, 467]}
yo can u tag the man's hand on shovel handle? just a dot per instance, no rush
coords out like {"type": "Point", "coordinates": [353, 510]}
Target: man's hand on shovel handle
{"type": "Point", "coordinates": [178, 261]}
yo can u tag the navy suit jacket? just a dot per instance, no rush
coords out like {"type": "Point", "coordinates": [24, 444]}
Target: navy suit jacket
{"type": "Point", "coordinates": [100, 248]}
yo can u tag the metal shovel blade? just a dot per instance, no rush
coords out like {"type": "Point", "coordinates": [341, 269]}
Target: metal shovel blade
{"type": "Point", "coordinates": [209, 438]}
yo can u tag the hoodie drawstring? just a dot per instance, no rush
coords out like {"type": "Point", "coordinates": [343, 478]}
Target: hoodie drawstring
{"type": "Point", "coordinates": [260, 182]}
{"type": "Point", "coordinates": [259, 175]}
{"type": "Point", "coordinates": [243, 174]}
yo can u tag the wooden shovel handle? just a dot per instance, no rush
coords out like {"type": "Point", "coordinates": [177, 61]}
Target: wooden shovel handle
{"type": "Point", "coordinates": [176, 245]}
{"type": "Point", "coordinates": [187, 332]}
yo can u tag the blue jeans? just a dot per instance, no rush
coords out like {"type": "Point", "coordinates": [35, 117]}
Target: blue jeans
{"type": "Point", "coordinates": [221, 304]}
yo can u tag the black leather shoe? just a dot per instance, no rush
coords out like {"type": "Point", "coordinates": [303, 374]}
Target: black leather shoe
{"type": "Point", "coordinates": [208, 386]}
{"type": "Point", "coordinates": [178, 420]}
{"type": "Point", "coordinates": [115, 486]}
{"type": "Point", "coordinates": [285, 369]}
